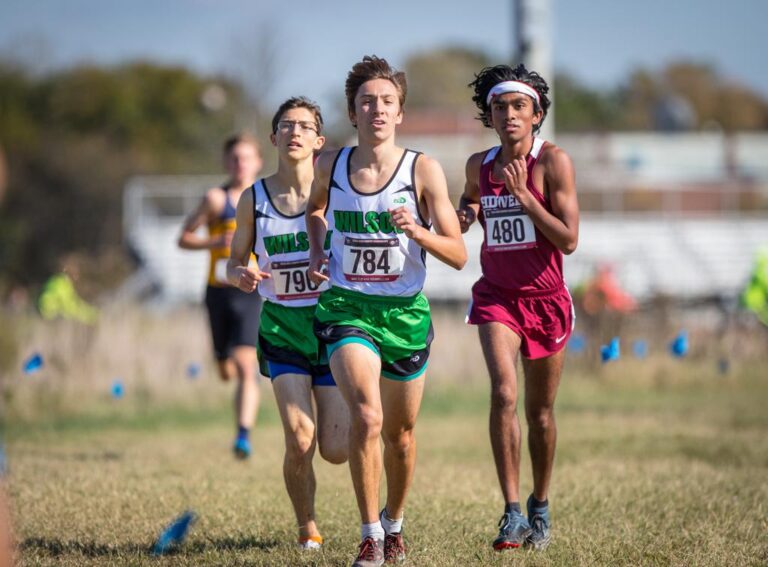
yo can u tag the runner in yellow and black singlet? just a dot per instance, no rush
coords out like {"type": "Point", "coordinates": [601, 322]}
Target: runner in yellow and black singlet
{"type": "Point", "coordinates": [233, 314]}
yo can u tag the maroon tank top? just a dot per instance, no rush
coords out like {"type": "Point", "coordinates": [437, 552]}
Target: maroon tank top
{"type": "Point", "coordinates": [514, 254]}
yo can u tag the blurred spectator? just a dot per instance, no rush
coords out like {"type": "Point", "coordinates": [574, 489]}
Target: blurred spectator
{"type": "Point", "coordinates": [755, 295]}
{"type": "Point", "coordinates": [60, 299]}
{"type": "Point", "coordinates": [604, 293]}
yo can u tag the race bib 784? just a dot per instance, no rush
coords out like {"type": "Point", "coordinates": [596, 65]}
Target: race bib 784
{"type": "Point", "coordinates": [372, 259]}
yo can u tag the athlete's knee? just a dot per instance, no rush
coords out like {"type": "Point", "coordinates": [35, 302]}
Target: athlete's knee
{"type": "Point", "coordinates": [504, 397]}
{"type": "Point", "coordinates": [335, 450]}
{"type": "Point", "coordinates": [400, 441]}
{"type": "Point", "coordinates": [226, 369]}
{"type": "Point", "coordinates": [367, 420]}
{"type": "Point", "coordinates": [541, 418]}
{"type": "Point", "coordinates": [245, 366]}
{"type": "Point", "coordinates": [300, 443]}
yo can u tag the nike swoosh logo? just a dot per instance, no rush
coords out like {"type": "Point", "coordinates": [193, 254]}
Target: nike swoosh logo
{"type": "Point", "coordinates": [561, 339]}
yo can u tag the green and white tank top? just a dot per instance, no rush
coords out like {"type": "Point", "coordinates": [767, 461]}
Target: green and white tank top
{"type": "Point", "coordinates": [281, 246]}
{"type": "Point", "coordinates": [368, 254]}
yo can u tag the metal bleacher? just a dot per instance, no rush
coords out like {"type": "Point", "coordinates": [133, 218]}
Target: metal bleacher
{"type": "Point", "coordinates": [154, 210]}
{"type": "Point", "coordinates": [676, 255]}
{"type": "Point", "coordinates": [681, 257]}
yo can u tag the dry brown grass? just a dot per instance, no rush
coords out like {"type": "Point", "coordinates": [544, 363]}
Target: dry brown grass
{"type": "Point", "coordinates": [660, 461]}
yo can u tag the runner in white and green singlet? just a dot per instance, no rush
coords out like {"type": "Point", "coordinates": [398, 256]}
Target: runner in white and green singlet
{"type": "Point", "coordinates": [379, 202]}
{"type": "Point", "coordinates": [271, 223]}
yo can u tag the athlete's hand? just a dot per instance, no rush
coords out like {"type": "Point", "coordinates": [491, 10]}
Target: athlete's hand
{"type": "Point", "coordinates": [403, 219]}
{"type": "Point", "coordinates": [466, 218]}
{"type": "Point", "coordinates": [516, 179]}
{"type": "Point", "coordinates": [318, 268]}
{"type": "Point", "coordinates": [248, 278]}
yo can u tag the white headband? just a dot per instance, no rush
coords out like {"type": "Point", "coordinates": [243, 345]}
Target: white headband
{"type": "Point", "coordinates": [512, 87]}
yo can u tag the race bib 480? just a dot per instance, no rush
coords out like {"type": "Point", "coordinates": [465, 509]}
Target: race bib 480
{"type": "Point", "coordinates": [372, 260]}
{"type": "Point", "coordinates": [509, 230]}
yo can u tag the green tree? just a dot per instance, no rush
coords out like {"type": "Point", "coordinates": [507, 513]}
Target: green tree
{"type": "Point", "coordinates": [72, 138]}
{"type": "Point", "coordinates": [438, 78]}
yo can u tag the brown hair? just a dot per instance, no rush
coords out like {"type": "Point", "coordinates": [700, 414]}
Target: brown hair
{"type": "Point", "coordinates": [241, 138]}
{"type": "Point", "coordinates": [370, 68]}
{"type": "Point", "coordinates": [298, 102]}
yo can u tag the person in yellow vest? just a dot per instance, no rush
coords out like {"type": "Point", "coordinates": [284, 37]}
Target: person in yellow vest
{"type": "Point", "coordinates": [59, 298]}
{"type": "Point", "coordinates": [233, 314]}
{"type": "Point", "coordinates": [755, 295]}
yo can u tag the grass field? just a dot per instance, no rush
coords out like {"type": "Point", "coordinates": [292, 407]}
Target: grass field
{"type": "Point", "coordinates": [659, 462]}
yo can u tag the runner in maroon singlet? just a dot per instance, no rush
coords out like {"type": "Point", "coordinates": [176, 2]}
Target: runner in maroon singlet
{"type": "Point", "coordinates": [524, 194]}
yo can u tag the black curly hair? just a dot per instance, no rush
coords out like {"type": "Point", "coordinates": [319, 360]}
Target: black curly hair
{"type": "Point", "coordinates": [489, 77]}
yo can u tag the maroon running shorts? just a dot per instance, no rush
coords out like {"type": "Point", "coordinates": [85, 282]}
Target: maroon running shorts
{"type": "Point", "coordinates": [542, 319]}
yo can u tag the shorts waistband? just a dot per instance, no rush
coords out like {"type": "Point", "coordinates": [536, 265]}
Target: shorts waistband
{"type": "Point", "coordinates": [281, 307]}
{"type": "Point", "coordinates": [381, 299]}
{"type": "Point", "coordinates": [528, 293]}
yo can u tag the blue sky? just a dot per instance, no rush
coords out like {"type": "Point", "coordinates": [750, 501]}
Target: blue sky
{"type": "Point", "coordinates": [598, 41]}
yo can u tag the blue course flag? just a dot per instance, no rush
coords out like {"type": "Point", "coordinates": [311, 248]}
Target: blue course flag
{"type": "Point", "coordinates": [118, 389]}
{"type": "Point", "coordinates": [611, 351]}
{"type": "Point", "coordinates": [33, 363]}
{"type": "Point", "coordinates": [679, 345]}
{"type": "Point", "coordinates": [3, 461]}
{"type": "Point", "coordinates": [175, 533]}
{"type": "Point", "coordinates": [640, 349]}
{"type": "Point", "coordinates": [577, 344]}
{"type": "Point", "coordinates": [193, 370]}
{"type": "Point", "coordinates": [723, 365]}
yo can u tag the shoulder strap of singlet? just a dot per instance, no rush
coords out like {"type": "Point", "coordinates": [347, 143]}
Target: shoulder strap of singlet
{"type": "Point", "coordinates": [538, 144]}
{"type": "Point", "coordinates": [491, 154]}
{"type": "Point", "coordinates": [414, 157]}
{"type": "Point", "coordinates": [332, 183]}
{"type": "Point", "coordinates": [255, 225]}
{"type": "Point", "coordinates": [339, 169]}
{"type": "Point", "coordinates": [228, 206]}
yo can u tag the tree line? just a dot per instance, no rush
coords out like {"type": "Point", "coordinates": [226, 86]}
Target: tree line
{"type": "Point", "coordinates": [72, 137]}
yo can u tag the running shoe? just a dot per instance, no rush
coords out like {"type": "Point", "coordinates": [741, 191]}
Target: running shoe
{"type": "Point", "coordinates": [370, 554]}
{"type": "Point", "coordinates": [394, 548]}
{"type": "Point", "coordinates": [311, 544]}
{"type": "Point", "coordinates": [513, 529]}
{"type": "Point", "coordinates": [539, 519]}
{"type": "Point", "coordinates": [242, 448]}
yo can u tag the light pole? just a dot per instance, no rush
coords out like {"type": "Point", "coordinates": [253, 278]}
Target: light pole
{"type": "Point", "coordinates": [533, 35]}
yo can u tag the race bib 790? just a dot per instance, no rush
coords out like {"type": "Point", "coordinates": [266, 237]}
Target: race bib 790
{"type": "Point", "coordinates": [291, 281]}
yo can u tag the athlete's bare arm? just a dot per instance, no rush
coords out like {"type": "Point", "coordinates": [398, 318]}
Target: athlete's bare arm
{"type": "Point", "coordinates": [446, 243]}
{"type": "Point", "coordinates": [316, 223]}
{"type": "Point", "coordinates": [561, 226]}
{"type": "Point", "coordinates": [210, 206]}
{"type": "Point", "coordinates": [238, 272]}
{"type": "Point", "coordinates": [469, 204]}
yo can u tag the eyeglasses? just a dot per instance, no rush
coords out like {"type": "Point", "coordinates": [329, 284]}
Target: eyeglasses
{"type": "Point", "coordinates": [287, 126]}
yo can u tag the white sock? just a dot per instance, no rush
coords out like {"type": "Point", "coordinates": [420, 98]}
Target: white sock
{"type": "Point", "coordinates": [390, 526]}
{"type": "Point", "coordinates": [373, 530]}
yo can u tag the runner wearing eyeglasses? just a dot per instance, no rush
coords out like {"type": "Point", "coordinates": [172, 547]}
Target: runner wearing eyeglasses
{"type": "Point", "coordinates": [271, 223]}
